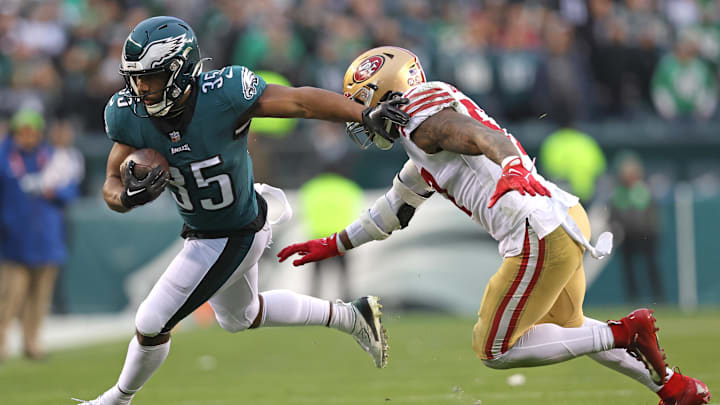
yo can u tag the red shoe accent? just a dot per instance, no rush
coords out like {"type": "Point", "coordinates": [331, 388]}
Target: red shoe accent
{"type": "Point", "coordinates": [636, 333]}
{"type": "Point", "coordinates": [684, 390]}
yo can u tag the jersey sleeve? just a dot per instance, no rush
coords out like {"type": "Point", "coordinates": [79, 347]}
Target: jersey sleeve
{"type": "Point", "coordinates": [118, 125]}
{"type": "Point", "coordinates": [242, 88]}
{"type": "Point", "coordinates": [426, 100]}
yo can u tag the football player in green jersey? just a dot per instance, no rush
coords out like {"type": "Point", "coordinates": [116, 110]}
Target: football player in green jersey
{"type": "Point", "coordinates": [199, 121]}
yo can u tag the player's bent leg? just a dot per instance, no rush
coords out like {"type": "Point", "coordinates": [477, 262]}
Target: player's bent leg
{"type": "Point", "coordinates": [524, 290]}
{"type": "Point", "coordinates": [237, 304]}
{"type": "Point", "coordinates": [195, 274]}
{"type": "Point", "coordinates": [548, 344]}
{"type": "Point", "coordinates": [360, 318]}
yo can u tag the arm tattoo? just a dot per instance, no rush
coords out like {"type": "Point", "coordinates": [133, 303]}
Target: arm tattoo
{"type": "Point", "coordinates": [451, 131]}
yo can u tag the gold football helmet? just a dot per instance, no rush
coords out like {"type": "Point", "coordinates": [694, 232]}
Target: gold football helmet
{"type": "Point", "coordinates": [372, 77]}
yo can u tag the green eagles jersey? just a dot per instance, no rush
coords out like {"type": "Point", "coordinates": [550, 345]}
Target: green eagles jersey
{"type": "Point", "coordinates": [210, 168]}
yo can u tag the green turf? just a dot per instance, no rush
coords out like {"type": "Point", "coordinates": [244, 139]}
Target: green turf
{"type": "Point", "coordinates": [431, 362]}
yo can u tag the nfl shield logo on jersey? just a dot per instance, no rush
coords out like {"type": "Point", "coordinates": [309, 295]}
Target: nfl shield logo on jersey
{"type": "Point", "coordinates": [174, 136]}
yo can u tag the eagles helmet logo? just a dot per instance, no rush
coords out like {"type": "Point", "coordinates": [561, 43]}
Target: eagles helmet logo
{"type": "Point", "coordinates": [367, 68]}
{"type": "Point", "coordinates": [155, 54]}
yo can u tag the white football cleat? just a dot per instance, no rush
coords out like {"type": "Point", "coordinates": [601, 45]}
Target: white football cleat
{"type": "Point", "coordinates": [113, 396]}
{"type": "Point", "coordinates": [368, 330]}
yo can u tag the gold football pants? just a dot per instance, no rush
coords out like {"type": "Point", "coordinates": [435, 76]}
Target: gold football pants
{"type": "Point", "coordinates": [545, 283]}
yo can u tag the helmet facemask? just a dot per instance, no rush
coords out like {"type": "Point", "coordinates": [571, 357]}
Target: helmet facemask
{"type": "Point", "coordinates": [171, 92]}
{"type": "Point", "coordinates": [357, 132]}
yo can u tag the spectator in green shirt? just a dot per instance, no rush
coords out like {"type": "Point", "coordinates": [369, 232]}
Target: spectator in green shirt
{"type": "Point", "coordinates": [683, 85]}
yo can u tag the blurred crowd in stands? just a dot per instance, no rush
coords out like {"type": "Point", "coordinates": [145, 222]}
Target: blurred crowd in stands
{"type": "Point", "coordinates": [626, 73]}
{"type": "Point", "coordinates": [570, 59]}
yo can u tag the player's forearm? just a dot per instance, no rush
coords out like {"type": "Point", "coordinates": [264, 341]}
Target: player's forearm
{"type": "Point", "coordinates": [390, 212]}
{"type": "Point", "coordinates": [345, 240]}
{"type": "Point", "coordinates": [454, 132]}
{"type": "Point", "coordinates": [494, 144]}
{"type": "Point", "coordinates": [326, 105]}
{"type": "Point", "coordinates": [471, 138]}
{"type": "Point", "coordinates": [112, 192]}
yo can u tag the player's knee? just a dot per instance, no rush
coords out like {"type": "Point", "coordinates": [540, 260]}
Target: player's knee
{"type": "Point", "coordinates": [497, 363]}
{"type": "Point", "coordinates": [234, 324]}
{"type": "Point", "coordinates": [148, 323]}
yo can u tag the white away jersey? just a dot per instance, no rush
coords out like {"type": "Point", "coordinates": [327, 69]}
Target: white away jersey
{"type": "Point", "coordinates": [469, 181]}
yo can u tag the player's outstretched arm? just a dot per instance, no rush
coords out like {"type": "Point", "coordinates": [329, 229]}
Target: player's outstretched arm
{"type": "Point", "coordinates": [310, 102]}
{"type": "Point", "coordinates": [392, 211]}
{"type": "Point", "coordinates": [306, 102]}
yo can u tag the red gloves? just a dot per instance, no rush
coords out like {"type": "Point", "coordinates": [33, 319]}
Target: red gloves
{"type": "Point", "coordinates": [311, 251]}
{"type": "Point", "coordinates": [516, 177]}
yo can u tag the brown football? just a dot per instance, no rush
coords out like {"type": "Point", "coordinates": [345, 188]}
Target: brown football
{"type": "Point", "coordinates": [145, 160]}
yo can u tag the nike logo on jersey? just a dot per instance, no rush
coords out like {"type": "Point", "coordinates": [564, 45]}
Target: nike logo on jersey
{"type": "Point", "coordinates": [182, 148]}
{"type": "Point", "coordinates": [131, 193]}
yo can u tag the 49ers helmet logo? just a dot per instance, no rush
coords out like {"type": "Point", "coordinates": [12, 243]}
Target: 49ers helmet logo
{"type": "Point", "coordinates": [368, 67]}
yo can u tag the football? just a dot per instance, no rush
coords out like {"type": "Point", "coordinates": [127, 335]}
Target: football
{"type": "Point", "coordinates": [145, 160]}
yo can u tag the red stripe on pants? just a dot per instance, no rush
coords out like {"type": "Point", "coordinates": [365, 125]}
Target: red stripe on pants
{"type": "Point", "coordinates": [518, 311]}
{"type": "Point", "coordinates": [501, 309]}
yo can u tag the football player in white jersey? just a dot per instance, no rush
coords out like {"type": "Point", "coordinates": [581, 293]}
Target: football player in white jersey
{"type": "Point", "coordinates": [531, 311]}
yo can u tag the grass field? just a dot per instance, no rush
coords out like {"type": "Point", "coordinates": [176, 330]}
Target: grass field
{"type": "Point", "coordinates": [431, 362]}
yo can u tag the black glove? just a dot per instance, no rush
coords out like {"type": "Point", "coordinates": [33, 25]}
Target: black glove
{"type": "Point", "coordinates": [139, 192]}
{"type": "Point", "coordinates": [379, 119]}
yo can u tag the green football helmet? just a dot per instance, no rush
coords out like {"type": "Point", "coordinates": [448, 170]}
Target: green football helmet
{"type": "Point", "coordinates": [156, 45]}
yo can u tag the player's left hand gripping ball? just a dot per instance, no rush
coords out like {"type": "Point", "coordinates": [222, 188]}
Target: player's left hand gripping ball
{"type": "Point", "coordinates": [142, 191]}
{"type": "Point", "coordinates": [379, 119]}
{"type": "Point", "coordinates": [516, 177]}
{"type": "Point", "coordinates": [311, 251]}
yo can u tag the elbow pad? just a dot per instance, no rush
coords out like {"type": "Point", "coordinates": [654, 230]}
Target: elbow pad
{"type": "Point", "coordinates": [392, 211]}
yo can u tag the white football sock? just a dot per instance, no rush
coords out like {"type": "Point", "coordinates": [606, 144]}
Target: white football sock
{"type": "Point", "coordinates": [549, 343]}
{"type": "Point", "coordinates": [621, 361]}
{"type": "Point", "coordinates": [343, 317]}
{"type": "Point", "coordinates": [288, 308]}
{"type": "Point", "coordinates": [140, 364]}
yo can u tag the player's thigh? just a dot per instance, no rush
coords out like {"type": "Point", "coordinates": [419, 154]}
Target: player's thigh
{"type": "Point", "coordinates": [236, 304]}
{"type": "Point", "coordinates": [523, 290]}
{"type": "Point", "coordinates": [567, 309]}
{"type": "Point", "coordinates": [201, 268]}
